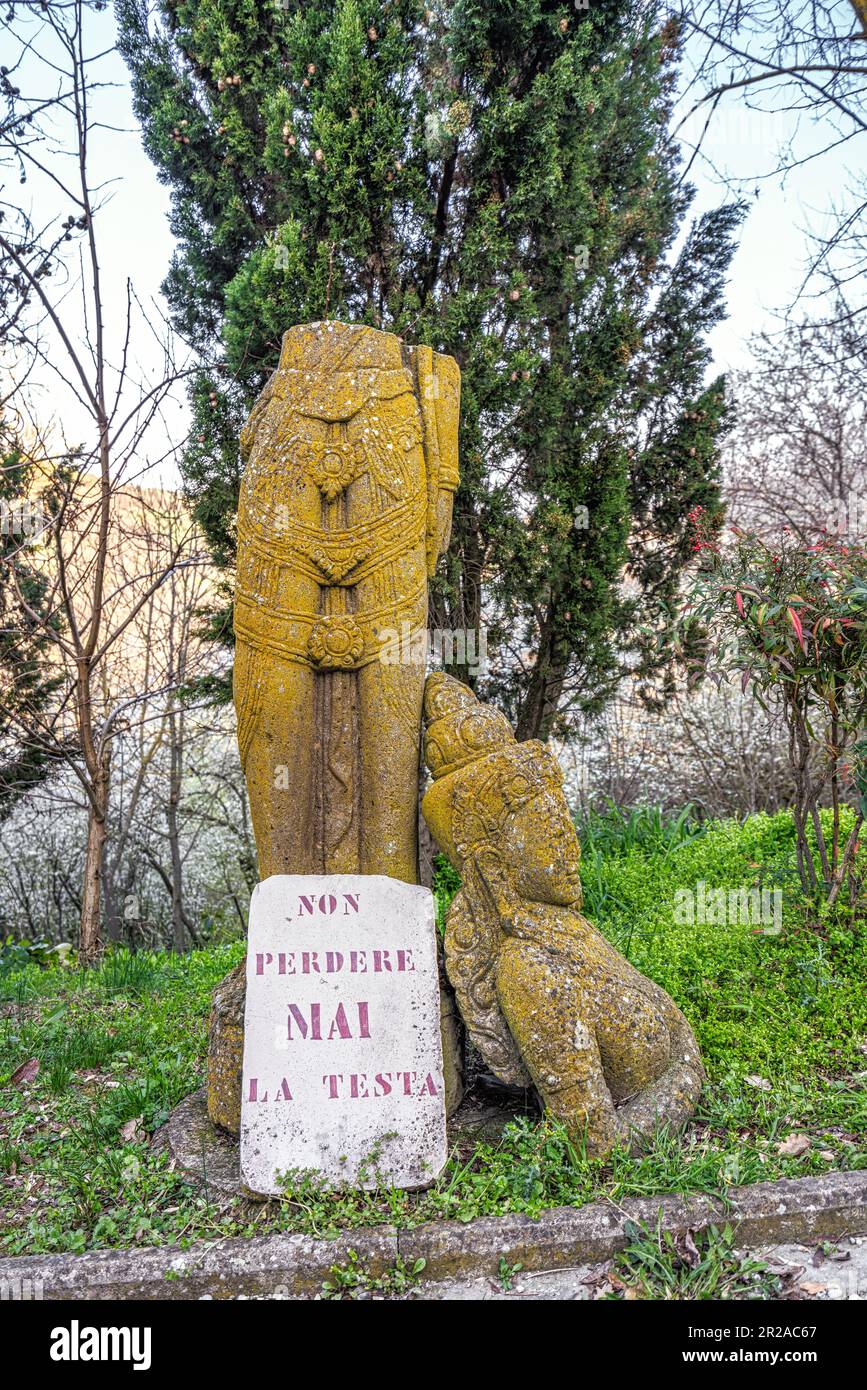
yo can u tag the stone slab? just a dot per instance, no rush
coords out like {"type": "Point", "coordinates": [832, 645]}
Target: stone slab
{"type": "Point", "coordinates": [343, 1066]}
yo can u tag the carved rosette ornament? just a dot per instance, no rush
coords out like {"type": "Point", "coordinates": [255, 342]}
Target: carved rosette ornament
{"type": "Point", "coordinates": [335, 643]}
{"type": "Point", "coordinates": [333, 465]}
{"type": "Point", "coordinates": [545, 998]}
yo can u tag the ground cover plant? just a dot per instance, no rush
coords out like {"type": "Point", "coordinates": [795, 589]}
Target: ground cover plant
{"type": "Point", "coordinates": [91, 1062]}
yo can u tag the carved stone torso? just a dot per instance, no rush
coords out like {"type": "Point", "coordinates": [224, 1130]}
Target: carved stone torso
{"type": "Point", "coordinates": [351, 463]}
{"type": "Point", "coordinates": [336, 508]}
{"type": "Point", "coordinates": [350, 460]}
{"type": "Point", "coordinates": [334, 497]}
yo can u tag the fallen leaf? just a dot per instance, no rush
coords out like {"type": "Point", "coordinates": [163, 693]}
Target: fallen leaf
{"type": "Point", "coordinates": [794, 1146]}
{"type": "Point", "coordinates": [760, 1082]}
{"type": "Point", "coordinates": [133, 1131]}
{"type": "Point", "coordinates": [27, 1072]}
{"type": "Point", "coordinates": [834, 1253]}
{"type": "Point", "coordinates": [688, 1250]}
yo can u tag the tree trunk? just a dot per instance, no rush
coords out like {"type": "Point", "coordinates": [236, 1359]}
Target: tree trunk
{"type": "Point", "coordinates": [457, 607]}
{"type": "Point", "coordinates": [90, 943]}
{"type": "Point", "coordinates": [539, 706]}
{"type": "Point", "coordinates": [113, 923]}
{"type": "Point", "coordinates": [175, 775]}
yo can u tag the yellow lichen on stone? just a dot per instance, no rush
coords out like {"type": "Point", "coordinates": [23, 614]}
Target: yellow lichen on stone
{"type": "Point", "coordinates": [351, 465]}
{"type": "Point", "coordinates": [545, 998]}
{"type": "Point", "coordinates": [226, 1051]}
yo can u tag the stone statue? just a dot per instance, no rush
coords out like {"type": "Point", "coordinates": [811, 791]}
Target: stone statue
{"type": "Point", "coordinates": [351, 457]}
{"type": "Point", "coordinates": [545, 998]}
{"type": "Point", "coordinates": [351, 463]}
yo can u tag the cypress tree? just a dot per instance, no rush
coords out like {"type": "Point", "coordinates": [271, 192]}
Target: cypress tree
{"type": "Point", "coordinates": [493, 178]}
{"type": "Point", "coordinates": [28, 673]}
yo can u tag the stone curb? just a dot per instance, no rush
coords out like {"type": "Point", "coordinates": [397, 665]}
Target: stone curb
{"type": "Point", "coordinates": [802, 1210]}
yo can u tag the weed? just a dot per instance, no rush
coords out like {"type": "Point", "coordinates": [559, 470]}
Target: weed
{"type": "Point", "coordinates": [660, 1265]}
{"type": "Point", "coordinates": [351, 1280]}
{"type": "Point", "coordinates": [506, 1273]}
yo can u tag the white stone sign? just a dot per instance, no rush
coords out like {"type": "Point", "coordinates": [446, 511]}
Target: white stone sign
{"type": "Point", "coordinates": [343, 1068]}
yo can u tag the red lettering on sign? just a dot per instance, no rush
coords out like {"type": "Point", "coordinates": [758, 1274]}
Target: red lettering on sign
{"type": "Point", "coordinates": [314, 1029]}
{"type": "Point", "coordinates": [359, 1086]}
{"type": "Point", "coordinates": [339, 1026]}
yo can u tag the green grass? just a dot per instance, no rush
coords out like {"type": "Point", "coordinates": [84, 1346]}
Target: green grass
{"type": "Point", "coordinates": [781, 1020]}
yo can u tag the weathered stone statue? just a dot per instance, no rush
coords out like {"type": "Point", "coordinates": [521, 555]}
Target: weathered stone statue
{"type": "Point", "coordinates": [545, 998]}
{"type": "Point", "coordinates": [351, 457]}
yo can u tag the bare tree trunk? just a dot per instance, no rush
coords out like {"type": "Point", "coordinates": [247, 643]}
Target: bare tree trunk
{"type": "Point", "coordinates": [113, 925]}
{"type": "Point", "coordinates": [90, 944]}
{"type": "Point", "coordinates": [84, 613]}
{"type": "Point", "coordinates": [175, 775]}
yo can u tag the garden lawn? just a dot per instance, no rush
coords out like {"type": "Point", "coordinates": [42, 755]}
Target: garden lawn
{"type": "Point", "coordinates": [781, 1021]}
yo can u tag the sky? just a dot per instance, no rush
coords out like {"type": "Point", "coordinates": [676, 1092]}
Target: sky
{"type": "Point", "coordinates": [764, 277]}
{"type": "Point", "coordinates": [784, 213]}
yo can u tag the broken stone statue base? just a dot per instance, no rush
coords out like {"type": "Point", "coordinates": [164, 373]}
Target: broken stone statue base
{"type": "Point", "coordinates": [226, 1050]}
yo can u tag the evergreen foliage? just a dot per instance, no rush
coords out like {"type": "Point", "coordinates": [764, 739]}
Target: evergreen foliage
{"type": "Point", "coordinates": [494, 178]}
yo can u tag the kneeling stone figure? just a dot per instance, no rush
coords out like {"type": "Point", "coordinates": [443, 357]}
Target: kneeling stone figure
{"type": "Point", "coordinates": [545, 998]}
